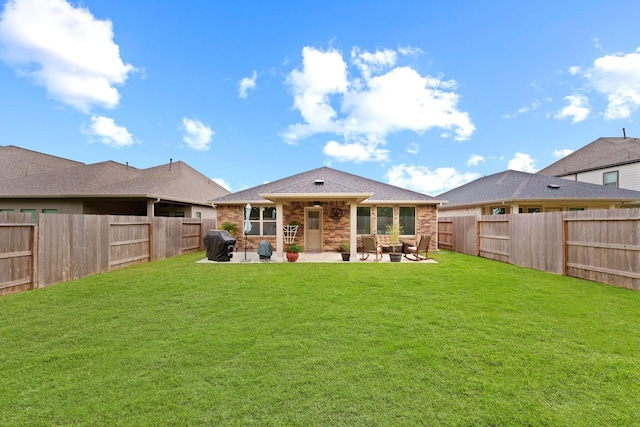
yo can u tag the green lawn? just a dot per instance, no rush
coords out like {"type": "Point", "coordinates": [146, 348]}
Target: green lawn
{"type": "Point", "coordinates": [465, 342]}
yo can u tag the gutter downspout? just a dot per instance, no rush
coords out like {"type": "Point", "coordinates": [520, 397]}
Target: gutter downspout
{"type": "Point", "coordinates": [151, 207]}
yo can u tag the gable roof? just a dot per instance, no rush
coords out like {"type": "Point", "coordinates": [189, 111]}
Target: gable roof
{"type": "Point", "coordinates": [601, 153]}
{"type": "Point", "coordinates": [514, 186]}
{"type": "Point", "coordinates": [326, 183]}
{"type": "Point", "coordinates": [59, 178]}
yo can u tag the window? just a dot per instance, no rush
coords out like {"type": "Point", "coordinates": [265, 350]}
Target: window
{"type": "Point", "coordinates": [364, 220]}
{"type": "Point", "coordinates": [199, 215]}
{"type": "Point", "coordinates": [498, 211]}
{"type": "Point", "coordinates": [408, 220]}
{"type": "Point", "coordinates": [610, 179]}
{"type": "Point", "coordinates": [178, 214]}
{"type": "Point", "coordinates": [34, 216]}
{"type": "Point", "coordinates": [385, 217]}
{"type": "Point", "coordinates": [7, 210]}
{"type": "Point", "coordinates": [530, 210]}
{"type": "Point", "coordinates": [49, 211]}
{"type": "Point", "coordinates": [575, 209]}
{"type": "Point", "coordinates": [263, 221]}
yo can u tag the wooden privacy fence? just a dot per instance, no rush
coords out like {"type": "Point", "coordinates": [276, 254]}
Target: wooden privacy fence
{"type": "Point", "coordinates": [65, 247]}
{"type": "Point", "coordinates": [598, 245]}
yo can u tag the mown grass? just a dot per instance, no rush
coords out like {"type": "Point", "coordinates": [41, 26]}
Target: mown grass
{"type": "Point", "coordinates": [463, 342]}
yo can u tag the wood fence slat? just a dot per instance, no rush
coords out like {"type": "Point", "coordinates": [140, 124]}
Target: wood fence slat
{"type": "Point", "coordinates": [15, 254]}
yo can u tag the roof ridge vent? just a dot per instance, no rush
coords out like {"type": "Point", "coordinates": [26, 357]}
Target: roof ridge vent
{"type": "Point", "coordinates": [553, 186]}
{"type": "Point", "coordinates": [319, 182]}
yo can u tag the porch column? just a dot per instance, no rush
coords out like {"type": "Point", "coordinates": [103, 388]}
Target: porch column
{"type": "Point", "coordinates": [279, 229]}
{"type": "Point", "coordinates": [353, 228]}
{"type": "Point", "coordinates": [150, 208]}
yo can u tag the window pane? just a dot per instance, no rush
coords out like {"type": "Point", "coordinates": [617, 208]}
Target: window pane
{"type": "Point", "coordinates": [408, 220]}
{"type": "Point", "coordinates": [34, 216]}
{"type": "Point", "coordinates": [255, 213]}
{"type": "Point", "coordinates": [499, 211]}
{"type": "Point", "coordinates": [364, 220]}
{"type": "Point", "coordinates": [313, 220]}
{"type": "Point", "coordinates": [255, 228]}
{"type": "Point", "coordinates": [611, 179]}
{"type": "Point", "coordinates": [385, 217]}
{"type": "Point", "coordinates": [269, 228]}
{"type": "Point", "coordinates": [269, 213]}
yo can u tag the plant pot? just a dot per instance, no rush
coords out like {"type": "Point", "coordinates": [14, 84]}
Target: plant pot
{"type": "Point", "coordinates": [346, 256]}
{"type": "Point", "coordinates": [292, 256]}
{"type": "Point", "coordinates": [395, 257]}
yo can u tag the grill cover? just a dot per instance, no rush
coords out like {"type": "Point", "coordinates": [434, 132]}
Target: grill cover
{"type": "Point", "coordinates": [219, 244]}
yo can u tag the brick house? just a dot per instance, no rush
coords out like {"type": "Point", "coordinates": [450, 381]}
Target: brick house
{"type": "Point", "coordinates": [331, 207]}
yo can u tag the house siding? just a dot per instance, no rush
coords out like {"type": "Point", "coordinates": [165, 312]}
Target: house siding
{"type": "Point", "coordinates": [628, 176]}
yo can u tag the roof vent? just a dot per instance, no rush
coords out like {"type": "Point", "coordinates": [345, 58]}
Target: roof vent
{"type": "Point", "coordinates": [319, 182]}
{"type": "Point", "coordinates": [553, 186]}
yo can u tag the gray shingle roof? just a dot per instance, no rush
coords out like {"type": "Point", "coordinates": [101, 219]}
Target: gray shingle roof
{"type": "Point", "coordinates": [335, 182]}
{"type": "Point", "coordinates": [519, 186]}
{"type": "Point", "coordinates": [601, 153]}
{"type": "Point", "coordinates": [55, 177]}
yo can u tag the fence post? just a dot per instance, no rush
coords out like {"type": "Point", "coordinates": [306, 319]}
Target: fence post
{"type": "Point", "coordinates": [478, 226]}
{"type": "Point", "coordinates": [565, 246]}
{"type": "Point", "coordinates": [34, 256]}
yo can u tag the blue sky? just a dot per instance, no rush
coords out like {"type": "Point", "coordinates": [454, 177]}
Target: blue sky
{"type": "Point", "coordinates": [423, 95]}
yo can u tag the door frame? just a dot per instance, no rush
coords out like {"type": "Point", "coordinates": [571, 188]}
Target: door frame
{"type": "Point", "coordinates": [306, 228]}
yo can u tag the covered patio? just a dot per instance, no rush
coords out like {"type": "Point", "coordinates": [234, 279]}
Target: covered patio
{"type": "Point", "coordinates": [254, 258]}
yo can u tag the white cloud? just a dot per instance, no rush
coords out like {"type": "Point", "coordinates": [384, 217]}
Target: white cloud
{"type": "Point", "coordinates": [558, 154]}
{"type": "Point", "coordinates": [618, 78]}
{"type": "Point", "coordinates": [413, 148]}
{"type": "Point", "coordinates": [246, 84]}
{"type": "Point", "coordinates": [578, 108]}
{"type": "Point", "coordinates": [65, 49]}
{"type": "Point", "coordinates": [197, 135]}
{"type": "Point", "coordinates": [108, 132]}
{"type": "Point", "coordinates": [376, 62]}
{"type": "Point", "coordinates": [475, 160]}
{"type": "Point", "coordinates": [523, 163]}
{"type": "Point", "coordinates": [424, 180]}
{"type": "Point", "coordinates": [534, 106]}
{"type": "Point", "coordinates": [574, 70]}
{"type": "Point", "coordinates": [385, 99]}
{"type": "Point", "coordinates": [221, 182]}
{"type": "Point", "coordinates": [410, 51]}
{"type": "Point", "coordinates": [355, 152]}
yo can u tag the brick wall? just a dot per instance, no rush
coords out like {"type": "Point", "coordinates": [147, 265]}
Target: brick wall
{"type": "Point", "coordinates": [335, 222]}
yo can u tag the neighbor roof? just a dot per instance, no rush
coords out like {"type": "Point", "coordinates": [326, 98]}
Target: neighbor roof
{"type": "Point", "coordinates": [54, 177]}
{"type": "Point", "coordinates": [601, 153]}
{"type": "Point", "coordinates": [513, 186]}
{"type": "Point", "coordinates": [326, 183]}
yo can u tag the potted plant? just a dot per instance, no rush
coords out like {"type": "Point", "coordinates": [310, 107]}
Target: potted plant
{"type": "Point", "coordinates": [394, 232]}
{"type": "Point", "coordinates": [293, 252]}
{"type": "Point", "coordinates": [345, 248]}
{"type": "Point", "coordinates": [230, 227]}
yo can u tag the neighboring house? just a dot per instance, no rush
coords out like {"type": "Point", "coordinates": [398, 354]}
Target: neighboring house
{"type": "Point", "coordinates": [40, 183]}
{"type": "Point", "coordinates": [612, 162]}
{"type": "Point", "coordinates": [521, 192]}
{"type": "Point", "coordinates": [332, 207]}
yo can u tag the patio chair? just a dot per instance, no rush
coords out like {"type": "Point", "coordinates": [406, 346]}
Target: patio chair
{"type": "Point", "coordinates": [414, 251]}
{"type": "Point", "coordinates": [370, 246]}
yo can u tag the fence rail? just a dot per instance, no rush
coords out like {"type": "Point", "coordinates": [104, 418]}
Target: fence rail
{"type": "Point", "coordinates": [601, 245]}
{"type": "Point", "coordinates": [65, 247]}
